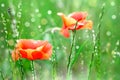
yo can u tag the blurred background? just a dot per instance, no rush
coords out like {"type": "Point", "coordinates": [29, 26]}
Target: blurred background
{"type": "Point", "coordinates": [37, 19]}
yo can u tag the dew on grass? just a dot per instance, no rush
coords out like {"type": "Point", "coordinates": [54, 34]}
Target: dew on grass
{"type": "Point", "coordinates": [2, 46]}
{"type": "Point", "coordinates": [49, 12]}
{"type": "Point", "coordinates": [11, 42]}
{"type": "Point", "coordinates": [6, 32]}
{"type": "Point", "coordinates": [27, 24]}
{"type": "Point", "coordinates": [113, 61]}
{"type": "Point", "coordinates": [82, 62]}
{"type": "Point", "coordinates": [112, 3]}
{"type": "Point", "coordinates": [108, 33]}
{"type": "Point", "coordinates": [64, 47]}
{"type": "Point", "coordinates": [39, 26]}
{"type": "Point", "coordinates": [93, 36]}
{"type": "Point", "coordinates": [19, 14]}
{"type": "Point", "coordinates": [43, 21]}
{"type": "Point", "coordinates": [77, 47]}
{"type": "Point", "coordinates": [32, 15]}
{"type": "Point", "coordinates": [37, 10]}
{"type": "Point", "coordinates": [39, 15]}
{"type": "Point", "coordinates": [2, 5]}
{"type": "Point", "coordinates": [32, 33]}
{"type": "Point", "coordinates": [2, 39]}
{"type": "Point", "coordinates": [118, 43]}
{"type": "Point", "coordinates": [114, 16]}
{"type": "Point", "coordinates": [57, 47]}
{"type": "Point", "coordinates": [32, 19]}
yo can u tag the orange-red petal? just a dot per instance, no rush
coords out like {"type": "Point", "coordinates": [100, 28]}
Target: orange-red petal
{"type": "Point", "coordinates": [78, 16]}
{"type": "Point", "coordinates": [32, 49]}
{"type": "Point", "coordinates": [65, 32]}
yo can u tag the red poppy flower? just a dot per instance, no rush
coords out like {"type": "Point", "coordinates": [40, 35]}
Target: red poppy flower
{"type": "Point", "coordinates": [70, 21]}
{"type": "Point", "coordinates": [32, 50]}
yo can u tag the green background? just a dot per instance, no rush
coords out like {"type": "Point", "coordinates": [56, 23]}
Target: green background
{"type": "Point", "coordinates": [35, 19]}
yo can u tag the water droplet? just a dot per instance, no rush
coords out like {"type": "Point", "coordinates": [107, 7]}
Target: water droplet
{"type": "Point", "coordinates": [43, 21]}
{"type": "Point", "coordinates": [118, 42]}
{"type": "Point", "coordinates": [113, 16]}
{"type": "Point", "coordinates": [36, 10]}
{"type": "Point", "coordinates": [2, 5]}
{"type": "Point", "coordinates": [6, 32]}
{"type": "Point", "coordinates": [14, 21]}
{"type": "Point", "coordinates": [93, 31]}
{"type": "Point", "coordinates": [49, 12]}
{"type": "Point", "coordinates": [57, 48]}
{"type": "Point", "coordinates": [2, 46]}
{"type": "Point", "coordinates": [32, 33]}
{"type": "Point", "coordinates": [108, 33]}
{"type": "Point", "coordinates": [112, 3]}
{"type": "Point", "coordinates": [1, 38]}
{"type": "Point", "coordinates": [39, 26]}
{"type": "Point", "coordinates": [82, 62]}
{"type": "Point", "coordinates": [86, 30]}
{"type": "Point", "coordinates": [113, 61]}
{"type": "Point", "coordinates": [95, 47]}
{"type": "Point", "coordinates": [32, 19]}
{"type": "Point", "coordinates": [11, 42]}
{"type": "Point", "coordinates": [77, 47]}
{"type": "Point", "coordinates": [19, 5]}
{"type": "Point", "coordinates": [64, 47]}
{"type": "Point", "coordinates": [27, 24]}
{"type": "Point", "coordinates": [32, 15]}
{"type": "Point", "coordinates": [87, 36]}
{"type": "Point", "coordinates": [19, 14]}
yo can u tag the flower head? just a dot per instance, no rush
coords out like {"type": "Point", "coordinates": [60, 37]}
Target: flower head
{"type": "Point", "coordinates": [32, 50]}
{"type": "Point", "coordinates": [69, 22]}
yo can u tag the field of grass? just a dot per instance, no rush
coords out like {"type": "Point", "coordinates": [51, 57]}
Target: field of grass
{"type": "Point", "coordinates": [86, 55]}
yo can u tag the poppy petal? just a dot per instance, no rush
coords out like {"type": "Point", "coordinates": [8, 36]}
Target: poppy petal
{"type": "Point", "coordinates": [15, 56]}
{"type": "Point", "coordinates": [67, 20]}
{"type": "Point", "coordinates": [65, 32]}
{"type": "Point", "coordinates": [87, 25]}
{"type": "Point", "coordinates": [78, 15]}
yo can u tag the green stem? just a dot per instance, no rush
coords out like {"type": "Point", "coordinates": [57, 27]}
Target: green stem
{"type": "Point", "coordinates": [91, 61]}
{"type": "Point", "coordinates": [33, 71]}
{"type": "Point", "coordinates": [97, 50]}
{"type": "Point", "coordinates": [1, 75]}
{"type": "Point", "coordinates": [72, 45]}
{"type": "Point", "coordinates": [21, 69]}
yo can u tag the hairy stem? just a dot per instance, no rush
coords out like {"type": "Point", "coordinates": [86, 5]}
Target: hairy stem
{"type": "Point", "coordinates": [33, 71]}
{"type": "Point", "coordinates": [72, 45]}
